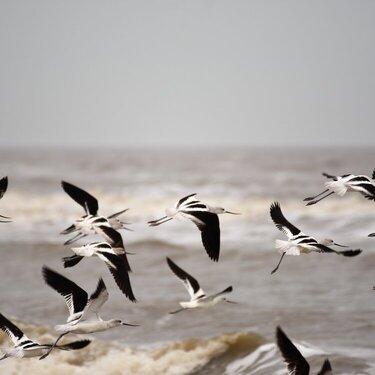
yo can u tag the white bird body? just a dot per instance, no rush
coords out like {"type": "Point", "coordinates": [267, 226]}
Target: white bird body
{"type": "Point", "coordinates": [89, 223]}
{"type": "Point", "coordinates": [3, 189]}
{"type": "Point", "coordinates": [113, 254]}
{"type": "Point", "coordinates": [83, 311]}
{"type": "Point", "coordinates": [26, 348]}
{"type": "Point", "coordinates": [197, 296]}
{"type": "Point", "coordinates": [203, 216]}
{"type": "Point", "coordinates": [298, 242]}
{"type": "Point", "coordinates": [341, 185]}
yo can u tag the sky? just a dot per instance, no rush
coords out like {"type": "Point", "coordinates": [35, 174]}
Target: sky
{"type": "Point", "coordinates": [187, 73]}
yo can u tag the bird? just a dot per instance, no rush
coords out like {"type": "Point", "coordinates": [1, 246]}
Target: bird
{"type": "Point", "coordinates": [205, 217]}
{"type": "Point", "coordinates": [197, 296]}
{"type": "Point", "coordinates": [114, 256]}
{"type": "Point", "coordinates": [345, 183]}
{"type": "Point", "coordinates": [88, 223]}
{"type": "Point", "coordinates": [83, 311]}
{"type": "Point", "coordinates": [3, 189]}
{"type": "Point", "coordinates": [298, 242]}
{"type": "Point", "coordinates": [26, 348]}
{"type": "Point", "coordinates": [297, 364]}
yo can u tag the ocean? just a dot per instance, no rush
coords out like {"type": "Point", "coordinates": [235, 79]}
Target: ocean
{"type": "Point", "coordinates": [325, 303]}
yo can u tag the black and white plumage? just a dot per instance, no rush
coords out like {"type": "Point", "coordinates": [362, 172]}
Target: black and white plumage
{"type": "Point", "coordinates": [298, 242]}
{"type": "Point", "coordinates": [205, 217]}
{"type": "Point", "coordinates": [88, 223]}
{"type": "Point", "coordinates": [83, 311]}
{"type": "Point", "coordinates": [3, 189]}
{"type": "Point", "coordinates": [197, 296]}
{"type": "Point", "coordinates": [343, 184]}
{"type": "Point", "coordinates": [114, 256]}
{"type": "Point", "coordinates": [297, 364]}
{"type": "Point", "coordinates": [26, 348]}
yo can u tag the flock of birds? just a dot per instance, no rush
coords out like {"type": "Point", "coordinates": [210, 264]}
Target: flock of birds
{"type": "Point", "coordinates": [84, 310]}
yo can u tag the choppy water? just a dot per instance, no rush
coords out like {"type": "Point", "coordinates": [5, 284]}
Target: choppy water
{"type": "Point", "coordinates": [325, 303]}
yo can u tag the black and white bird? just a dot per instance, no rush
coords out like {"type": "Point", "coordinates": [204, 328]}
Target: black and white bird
{"type": "Point", "coordinates": [88, 223]}
{"type": "Point", "coordinates": [3, 189]}
{"type": "Point", "coordinates": [205, 217]}
{"type": "Point", "coordinates": [297, 364]}
{"type": "Point", "coordinates": [83, 311]}
{"type": "Point", "coordinates": [197, 296]}
{"type": "Point", "coordinates": [24, 347]}
{"type": "Point", "coordinates": [343, 184]}
{"type": "Point", "coordinates": [112, 253]}
{"type": "Point", "coordinates": [298, 242]}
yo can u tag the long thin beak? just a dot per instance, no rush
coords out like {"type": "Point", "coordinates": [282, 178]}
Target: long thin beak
{"type": "Point", "coordinates": [342, 245]}
{"type": "Point", "coordinates": [130, 325]}
{"type": "Point", "coordinates": [229, 301]}
{"type": "Point", "coordinates": [232, 213]}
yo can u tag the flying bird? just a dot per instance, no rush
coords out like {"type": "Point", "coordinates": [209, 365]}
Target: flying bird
{"type": "Point", "coordinates": [88, 223]}
{"type": "Point", "coordinates": [205, 217]}
{"type": "Point", "coordinates": [83, 311]}
{"type": "Point", "coordinates": [197, 296]}
{"type": "Point", "coordinates": [298, 242]}
{"type": "Point", "coordinates": [3, 189]}
{"type": "Point", "coordinates": [343, 184]}
{"type": "Point", "coordinates": [114, 256]}
{"type": "Point", "coordinates": [25, 348]}
{"type": "Point", "coordinates": [297, 364]}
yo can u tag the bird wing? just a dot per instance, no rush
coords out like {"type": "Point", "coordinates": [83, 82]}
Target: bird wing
{"type": "Point", "coordinates": [281, 222]}
{"type": "Point", "coordinates": [82, 197]}
{"type": "Point", "coordinates": [119, 271]}
{"type": "Point", "coordinates": [184, 200]}
{"type": "Point", "coordinates": [112, 236]}
{"type": "Point", "coordinates": [3, 186]}
{"type": "Point", "coordinates": [370, 188]}
{"type": "Point", "coordinates": [297, 364]}
{"type": "Point", "coordinates": [75, 297]}
{"type": "Point", "coordinates": [190, 283]}
{"type": "Point", "coordinates": [14, 333]}
{"type": "Point", "coordinates": [326, 368]}
{"type": "Point", "coordinates": [208, 224]}
{"type": "Point", "coordinates": [96, 301]}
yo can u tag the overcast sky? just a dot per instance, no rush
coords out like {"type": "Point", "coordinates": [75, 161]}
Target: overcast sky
{"type": "Point", "coordinates": [187, 73]}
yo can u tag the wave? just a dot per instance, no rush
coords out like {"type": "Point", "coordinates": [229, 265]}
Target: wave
{"type": "Point", "coordinates": [42, 217]}
{"type": "Point", "coordinates": [198, 356]}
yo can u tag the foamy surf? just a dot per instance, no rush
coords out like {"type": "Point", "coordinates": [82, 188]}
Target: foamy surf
{"type": "Point", "coordinates": [102, 357]}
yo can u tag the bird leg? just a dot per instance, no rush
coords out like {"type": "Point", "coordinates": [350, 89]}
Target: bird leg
{"type": "Point", "coordinates": [154, 223]}
{"type": "Point", "coordinates": [316, 196]}
{"type": "Point", "coordinates": [318, 200]}
{"type": "Point", "coordinates": [53, 346]}
{"type": "Point", "coordinates": [179, 310]}
{"type": "Point", "coordinates": [278, 264]}
{"type": "Point", "coordinates": [75, 238]}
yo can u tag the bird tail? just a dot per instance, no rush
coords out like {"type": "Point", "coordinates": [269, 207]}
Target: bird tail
{"type": "Point", "coordinates": [72, 260]}
{"type": "Point", "coordinates": [337, 187]}
{"type": "Point", "coordinates": [75, 345]}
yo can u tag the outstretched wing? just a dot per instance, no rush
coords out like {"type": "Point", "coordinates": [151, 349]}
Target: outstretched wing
{"type": "Point", "coordinates": [326, 368]}
{"type": "Point", "coordinates": [97, 299]}
{"type": "Point", "coordinates": [119, 270]}
{"type": "Point", "coordinates": [3, 186]}
{"type": "Point", "coordinates": [209, 226]}
{"type": "Point", "coordinates": [184, 200]}
{"type": "Point", "coordinates": [297, 364]}
{"type": "Point", "coordinates": [14, 333]}
{"type": "Point", "coordinates": [190, 283]}
{"type": "Point", "coordinates": [75, 297]}
{"type": "Point", "coordinates": [82, 197]}
{"type": "Point", "coordinates": [281, 222]}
